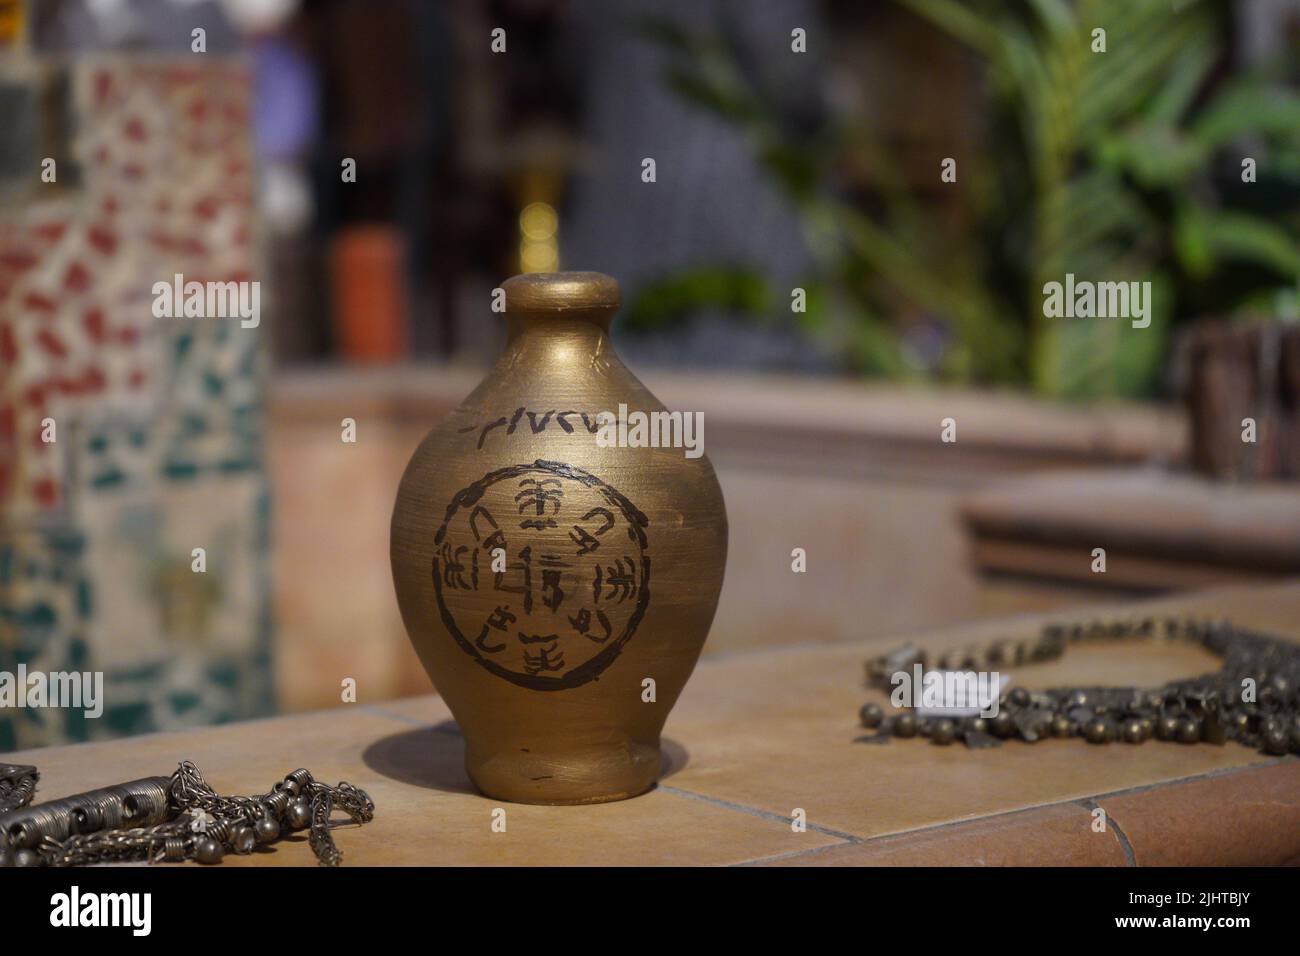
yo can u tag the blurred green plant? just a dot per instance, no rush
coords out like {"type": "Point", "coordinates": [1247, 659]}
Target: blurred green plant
{"type": "Point", "coordinates": [1115, 166]}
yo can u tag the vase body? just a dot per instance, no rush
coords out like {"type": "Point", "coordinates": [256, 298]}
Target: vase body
{"type": "Point", "coordinates": [545, 580]}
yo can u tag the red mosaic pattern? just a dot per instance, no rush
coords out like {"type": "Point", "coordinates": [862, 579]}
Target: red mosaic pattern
{"type": "Point", "coordinates": [167, 187]}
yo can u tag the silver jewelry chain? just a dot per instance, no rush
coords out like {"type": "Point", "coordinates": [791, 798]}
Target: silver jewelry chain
{"type": "Point", "coordinates": [167, 819]}
{"type": "Point", "coordinates": [1253, 698]}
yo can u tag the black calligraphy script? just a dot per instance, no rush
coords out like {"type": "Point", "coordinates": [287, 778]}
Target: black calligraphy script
{"type": "Point", "coordinates": [562, 559]}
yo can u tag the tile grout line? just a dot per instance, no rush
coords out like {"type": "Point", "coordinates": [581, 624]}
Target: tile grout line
{"type": "Point", "coordinates": [846, 838]}
{"type": "Point", "coordinates": [1124, 842]}
{"type": "Point", "coordinates": [1203, 775]}
{"type": "Point", "coordinates": [811, 851]}
{"type": "Point", "coordinates": [1130, 858]}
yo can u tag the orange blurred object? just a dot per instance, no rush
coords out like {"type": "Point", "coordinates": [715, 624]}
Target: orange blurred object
{"type": "Point", "coordinates": [11, 22]}
{"type": "Point", "coordinates": [368, 284]}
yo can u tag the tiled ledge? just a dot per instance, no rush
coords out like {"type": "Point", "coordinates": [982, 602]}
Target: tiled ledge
{"type": "Point", "coordinates": [1253, 817]}
{"type": "Point", "coordinates": [1160, 530]}
{"type": "Point", "coordinates": [758, 734]}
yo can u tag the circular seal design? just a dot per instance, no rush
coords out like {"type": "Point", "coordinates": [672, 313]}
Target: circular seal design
{"type": "Point", "coordinates": [542, 574]}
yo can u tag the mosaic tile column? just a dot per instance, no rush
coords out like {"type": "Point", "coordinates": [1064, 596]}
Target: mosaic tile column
{"type": "Point", "coordinates": [159, 421]}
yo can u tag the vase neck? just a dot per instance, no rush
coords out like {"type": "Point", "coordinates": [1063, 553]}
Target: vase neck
{"type": "Point", "coordinates": [554, 343]}
{"type": "Point", "coordinates": [559, 318]}
{"type": "Point", "coordinates": [563, 325]}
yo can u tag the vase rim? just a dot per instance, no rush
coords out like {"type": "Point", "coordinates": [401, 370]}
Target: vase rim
{"type": "Point", "coordinates": [559, 292]}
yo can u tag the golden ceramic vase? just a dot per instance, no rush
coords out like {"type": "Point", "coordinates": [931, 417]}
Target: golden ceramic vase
{"type": "Point", "coordinates": [557, 585]}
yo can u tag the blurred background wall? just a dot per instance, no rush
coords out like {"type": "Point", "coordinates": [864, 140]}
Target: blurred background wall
{"type": "Point", "coordinates": [380, 168]}
{"type": "Point", "coordinates": [128, 440]}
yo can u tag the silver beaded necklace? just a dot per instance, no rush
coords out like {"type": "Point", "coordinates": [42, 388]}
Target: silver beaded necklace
{"type": "Point", "coordinates": [1253, 699]}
